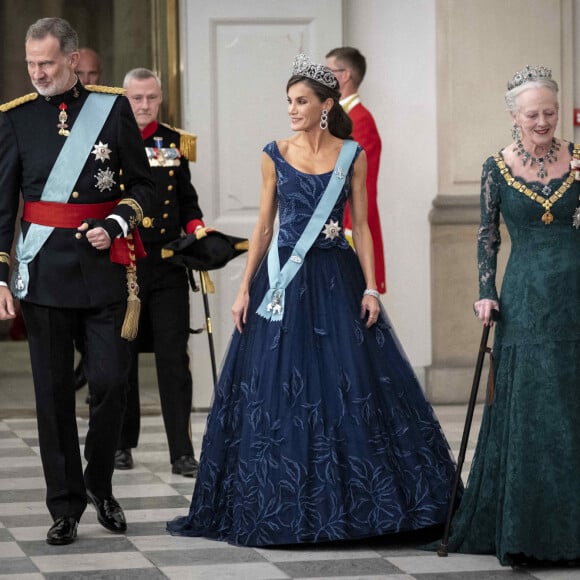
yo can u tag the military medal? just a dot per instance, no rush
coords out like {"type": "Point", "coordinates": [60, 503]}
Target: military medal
{"type": "Point", "coordinates": [62, 119]}
{"type": "Point", "coordinates": [331, 230]}
{"type": "Point", "coordinates": [105, 179]}
{"type": "Point", "coordinates": [160, 156]}
{"type": "Point", "coordinates": [159, 150]}
{"type": "Point", "coordinates": [275, 307]}
{"type": "Point", "coordinates": [101, 151]}
{"type": "Point", "coordinates": [19, 285]}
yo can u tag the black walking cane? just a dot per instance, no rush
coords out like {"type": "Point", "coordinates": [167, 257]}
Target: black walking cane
{"type": "Point", "coordinates": [483, 349]}
{"type": "Point", "coordinates": [206, 288]}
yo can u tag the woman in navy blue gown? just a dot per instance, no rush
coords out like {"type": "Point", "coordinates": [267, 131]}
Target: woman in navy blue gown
{"type": "Point", "coordinates": [319, 429]}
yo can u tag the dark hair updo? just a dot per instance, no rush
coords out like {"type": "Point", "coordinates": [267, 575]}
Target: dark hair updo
{"type": "Point", "coordinates": [339, 123]}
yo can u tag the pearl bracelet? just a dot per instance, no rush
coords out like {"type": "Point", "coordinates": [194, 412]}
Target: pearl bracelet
{"type": "Point", "coordinates": [371, 292]}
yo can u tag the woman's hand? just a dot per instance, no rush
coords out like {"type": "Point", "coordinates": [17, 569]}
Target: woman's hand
{"type": "Point", "coordinates": [240, 309]}
{"type": "Point", "coordinates": [483, 308]}
{"type": "Point", "coordinates": [370, 305]}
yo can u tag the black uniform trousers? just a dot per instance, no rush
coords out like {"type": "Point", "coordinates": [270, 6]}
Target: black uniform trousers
{"type": "Point", "coordinates": [51, 331]}
{"type": "Point", "coordinates": [164, 294]}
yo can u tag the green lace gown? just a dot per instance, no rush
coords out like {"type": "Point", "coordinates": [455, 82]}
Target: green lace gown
{"type": "Point", "coordinates": [523, 492]}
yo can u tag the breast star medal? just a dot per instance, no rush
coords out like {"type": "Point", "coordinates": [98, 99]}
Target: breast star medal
{"type": "Point", "coordinates": [101, 151]}
{"type": "Point", "coordinates": [105, 179]}
{"type": "Point", "coordinates": [331, 230]}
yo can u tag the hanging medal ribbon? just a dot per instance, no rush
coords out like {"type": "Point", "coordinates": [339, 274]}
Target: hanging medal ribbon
{"type": "Point", "coordinates": [62, 119]}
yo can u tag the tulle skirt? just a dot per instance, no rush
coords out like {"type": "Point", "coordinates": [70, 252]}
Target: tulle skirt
{"type": "Point", "coordinates": [319, 429]}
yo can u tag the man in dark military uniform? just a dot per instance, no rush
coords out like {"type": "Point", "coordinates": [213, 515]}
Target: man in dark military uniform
{"type": "Point", "coordinates": [163, 286]}
{"type": "Point", "coordinates": [63, 148]}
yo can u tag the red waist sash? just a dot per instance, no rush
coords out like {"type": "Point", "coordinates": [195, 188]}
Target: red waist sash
{"type": "Point", "coordinates": [65, 215]}
{"type": "Point", "coordinates": [71, 215]}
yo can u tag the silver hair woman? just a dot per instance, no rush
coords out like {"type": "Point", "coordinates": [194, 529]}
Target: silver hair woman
{"type": "Point", "coordinates": [521, 503]}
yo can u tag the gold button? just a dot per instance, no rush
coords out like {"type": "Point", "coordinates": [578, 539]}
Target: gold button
{"type": "Point", "coordinates": [120, 172]}
{"type": "Point", "coordinates": [75, 194]}
{"type": "Point", "coordinates": [170, 188]}
{"type": "Point", "coordinates": [171, 172]}
{"type": "Point", "coordinates": [166, 202]}
{"type": "Point", "coordinates": [165, 216]}
{"type": "Point", "coordinates": [162, 230]}
{"type": "Point", "coordinates": [147, 222]}
{"type": "Point", "coordinates": [173, 145]}
{"type": "Point", "coordinates": [78, 235]}
{"type": "Point", "coordinates": [122, 187]}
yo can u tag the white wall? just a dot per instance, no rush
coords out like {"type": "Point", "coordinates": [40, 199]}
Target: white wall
{"type": "Point", "coordinates": [398, 39]}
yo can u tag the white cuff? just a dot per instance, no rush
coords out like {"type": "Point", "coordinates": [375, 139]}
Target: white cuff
{"type": "Point", "coordinates": [121, 222]}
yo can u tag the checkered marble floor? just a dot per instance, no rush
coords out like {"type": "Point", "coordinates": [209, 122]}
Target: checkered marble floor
{"type": "Point", "coordinates": [151, 495]}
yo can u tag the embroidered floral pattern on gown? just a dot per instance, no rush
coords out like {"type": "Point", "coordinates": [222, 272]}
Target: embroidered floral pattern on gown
{"type": "Point", "coordinates": [319, 429]}
{"type": "Point", "coordinates": [522, 492]}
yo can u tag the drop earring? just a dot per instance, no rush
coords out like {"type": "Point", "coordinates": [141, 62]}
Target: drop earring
{"type": "Point", "coordinates": [324, 119]}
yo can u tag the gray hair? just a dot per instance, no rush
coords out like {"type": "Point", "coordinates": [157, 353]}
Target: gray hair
{"type": "Point", "coordinates": [140, 74]}
{"type": "Point", "coordinates": [57, 27]}
{"type": "Point", "coordinates": [511, 97]}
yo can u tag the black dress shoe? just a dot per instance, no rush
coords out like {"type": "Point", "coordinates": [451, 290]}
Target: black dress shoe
{"type": "Point", "coordinates": [186, 465]}
{"type": "Point", "coordinates": [63, 531]}
{"type": "Point", "coordinates": [123, 459]}
{"type": "Point", "coordinates": [109, 513]}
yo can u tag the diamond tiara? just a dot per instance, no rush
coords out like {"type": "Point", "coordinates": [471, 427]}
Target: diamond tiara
{"type": "Point", "coordinates": [304, 67]}
{"type": "Point", "coordinates": [529, 73]}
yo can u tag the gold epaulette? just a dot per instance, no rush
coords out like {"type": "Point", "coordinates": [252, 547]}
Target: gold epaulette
{"type": "Point", "coordinates": [187, 143]}
{"type": "Point", "coordinates": [103, 89]}
{"type": "Point", "coordinates": [17, 102]}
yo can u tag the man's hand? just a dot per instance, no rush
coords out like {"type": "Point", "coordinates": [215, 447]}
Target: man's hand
{"type": "Point", "coordinates": [7, 308]}
{"type": "Point", "coordinates": [96, 236]}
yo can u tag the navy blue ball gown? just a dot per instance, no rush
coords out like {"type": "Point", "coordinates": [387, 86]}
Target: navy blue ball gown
{"type": "Point", "coordinates": [319, 429]}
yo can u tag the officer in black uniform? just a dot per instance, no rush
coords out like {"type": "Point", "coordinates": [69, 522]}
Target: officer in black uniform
{"type": "Point", "coordinates": [164, 287]}
{"type": "Point", "coordinates": [64, 147]}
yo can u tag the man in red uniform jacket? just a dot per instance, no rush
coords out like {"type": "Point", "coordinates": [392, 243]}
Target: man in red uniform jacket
{"type": "Point", "coordinates": [349, 67]}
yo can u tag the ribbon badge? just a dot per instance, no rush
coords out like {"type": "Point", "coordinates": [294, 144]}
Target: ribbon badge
{"type": "Point", "coordinates": [275, 307]}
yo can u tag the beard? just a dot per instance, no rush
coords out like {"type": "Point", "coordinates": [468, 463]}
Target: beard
{"type": "Point", "coordinates": [58, 85]}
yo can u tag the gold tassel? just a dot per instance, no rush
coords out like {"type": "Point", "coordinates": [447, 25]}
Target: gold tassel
{"type": "Point", "coordinates": [207, 284]}
{"type": "Point", "coordinates": [131, 323]}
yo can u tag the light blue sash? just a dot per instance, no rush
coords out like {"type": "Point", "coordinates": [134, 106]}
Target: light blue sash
{"type": "Point", "coordinates": [61, 181]}
{"type": "Point", "coordinates": [272, 306]}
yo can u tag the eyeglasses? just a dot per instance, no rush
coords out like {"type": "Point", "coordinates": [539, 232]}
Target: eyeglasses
{"type": "Point", "coordinates": [335, 70]}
